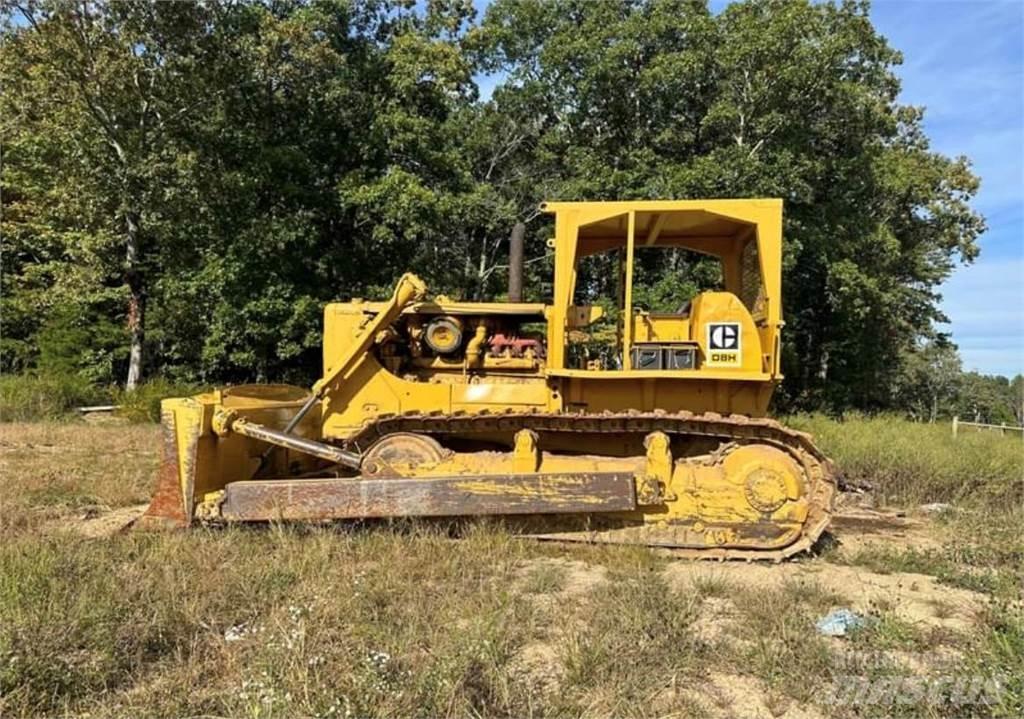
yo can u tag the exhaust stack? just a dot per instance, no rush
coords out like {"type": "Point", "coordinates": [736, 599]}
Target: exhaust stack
{"type": "Point", "coordinates": [516, 243]}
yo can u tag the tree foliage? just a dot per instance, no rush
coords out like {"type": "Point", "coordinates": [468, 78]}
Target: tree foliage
{"type": "Point", "coordinates": [197, 180]}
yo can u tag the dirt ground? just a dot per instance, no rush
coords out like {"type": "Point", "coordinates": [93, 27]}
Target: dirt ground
{"type": "Point", "coordinates": [921, 601]}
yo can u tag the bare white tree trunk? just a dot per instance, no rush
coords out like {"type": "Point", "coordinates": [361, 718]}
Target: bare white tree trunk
{"type": "Point", "coordinates": [136, 303]}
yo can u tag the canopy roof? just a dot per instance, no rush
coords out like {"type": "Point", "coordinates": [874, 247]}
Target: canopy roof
{"type": "Point", "coordinates": [664, 224]}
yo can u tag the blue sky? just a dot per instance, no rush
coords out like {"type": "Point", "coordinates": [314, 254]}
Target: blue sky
{"type": "Point", "coordinates": [964, 61]}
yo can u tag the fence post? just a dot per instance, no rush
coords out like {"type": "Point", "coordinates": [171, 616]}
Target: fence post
{"type": "Point", "coordinates": [955, 420]}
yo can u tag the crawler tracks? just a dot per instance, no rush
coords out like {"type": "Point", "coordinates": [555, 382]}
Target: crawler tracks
{"type": "Point", "coordinates": [820, 476]}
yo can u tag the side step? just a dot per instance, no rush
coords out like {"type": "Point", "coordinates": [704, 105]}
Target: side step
{"type": "Point", "coordinates": [312, 499]}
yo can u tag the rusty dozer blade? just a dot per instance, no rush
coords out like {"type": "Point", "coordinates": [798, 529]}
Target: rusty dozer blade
{"type": "Point", "coordinates": [361, 498]}
{"type": "Point", "coordinates": [168, 508]}
{"type": "Point", "coordinates": [197, 460]}
{"type": "Point", "coordinates": [213, 449]}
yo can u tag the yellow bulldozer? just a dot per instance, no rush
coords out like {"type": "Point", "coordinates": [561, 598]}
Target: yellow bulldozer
{"type": "Point", "coordinates": [434, 408]}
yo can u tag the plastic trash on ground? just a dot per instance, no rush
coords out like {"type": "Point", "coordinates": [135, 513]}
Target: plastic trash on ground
{"type": "Point", "coordinates": [840, 622]}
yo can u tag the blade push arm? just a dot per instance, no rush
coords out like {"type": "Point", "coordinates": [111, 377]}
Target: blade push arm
{"type": "Point", "coordinates": [410, 288]}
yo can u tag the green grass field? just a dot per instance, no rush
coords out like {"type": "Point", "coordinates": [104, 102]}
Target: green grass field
{"type": "Point", "coordinates": [405, 620]}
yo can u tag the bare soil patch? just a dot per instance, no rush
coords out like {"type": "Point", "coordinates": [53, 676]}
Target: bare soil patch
{"type": "Point", "coordinates": [97, 522]}
{"type": "Point", "coordinates": [725, 696]}
{"type": "Point", "coordinates": [857, 527]}
{"type": "Point", "coordinates": [917, 599]}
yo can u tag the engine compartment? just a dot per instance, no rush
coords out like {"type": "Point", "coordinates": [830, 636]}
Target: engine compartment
{"type": "Point", "coordinates": [453, 347]}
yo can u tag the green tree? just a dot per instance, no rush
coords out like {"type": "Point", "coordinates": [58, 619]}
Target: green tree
{"type": "Point", "coordinates": [930, 380]}
{"type": "Point", "coordinates": [990, 399]}
{"type": "Point", "coordinates": [1017, 398]}
{"type": "Point", "coordinates": [334, 167]}
{"type": "Point", "coordinates": [94, 96]}
{"type": "Point", "coordinates": [229, 168]}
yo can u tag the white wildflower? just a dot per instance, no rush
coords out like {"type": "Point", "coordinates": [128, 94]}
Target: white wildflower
{"type": "Point", "coordinates": [236, 633]}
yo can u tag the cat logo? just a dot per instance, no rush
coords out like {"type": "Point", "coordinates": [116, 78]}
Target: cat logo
{"type": "Point", "coordinates": [723, 345]}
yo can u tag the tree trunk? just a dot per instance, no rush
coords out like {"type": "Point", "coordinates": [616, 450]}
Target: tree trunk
{"type": "Point", "coordinates": [136, 302]}
{"type": "Point", "coordinates": [822, 373]}
{"type": "Point", "coordinates": [481, 272]}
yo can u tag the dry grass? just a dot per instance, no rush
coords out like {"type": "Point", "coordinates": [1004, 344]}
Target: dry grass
{"type": "Point", "coordinates": [403, 620]}
{"type": "Point", "coordinates": [48, 469]}
{"type": "Point", "coordinates": [914, 462]}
